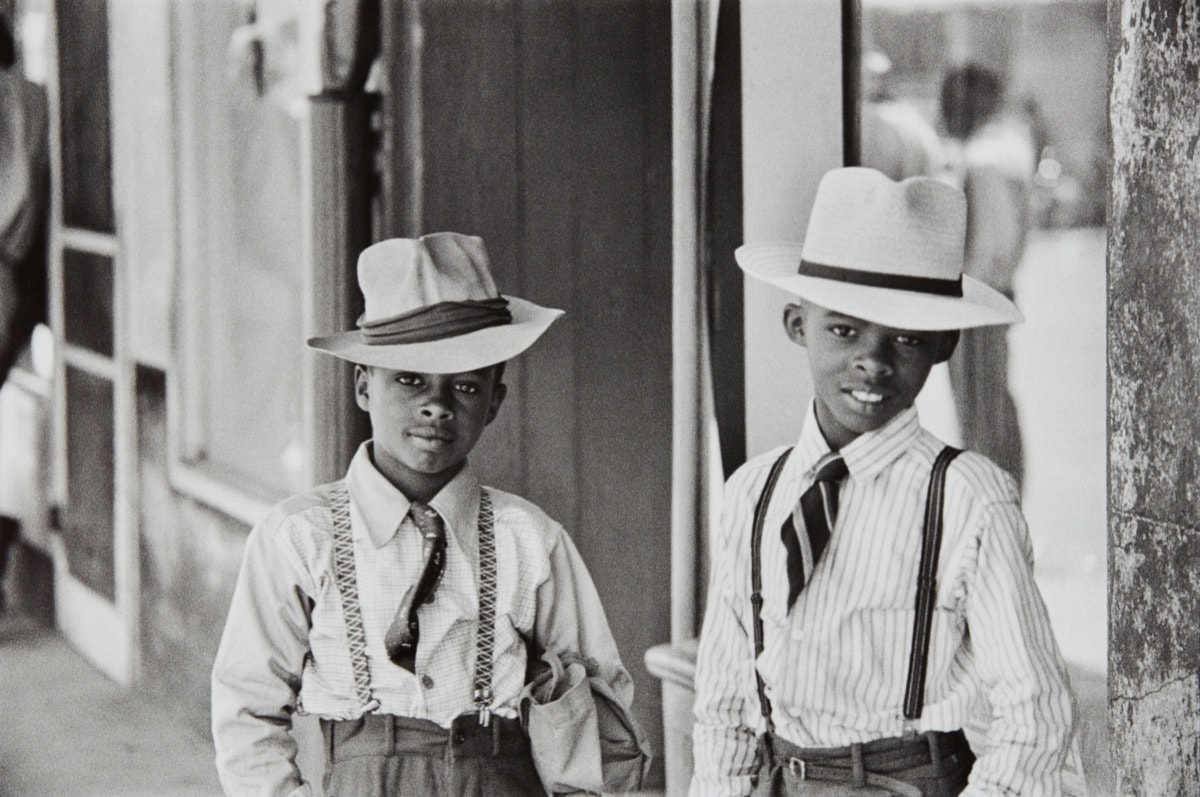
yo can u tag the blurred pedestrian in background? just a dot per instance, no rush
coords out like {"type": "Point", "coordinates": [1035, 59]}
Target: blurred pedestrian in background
{"type": "Point", "coordinates": [989, 155]}
{"type": "Point", "coordinates": [24, 197]}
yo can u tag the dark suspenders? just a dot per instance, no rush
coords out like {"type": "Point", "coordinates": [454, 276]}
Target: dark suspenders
{"type": "Point", "coordinates": [931, 541]}
{"type": "Point", "coordinates": [931, 544]}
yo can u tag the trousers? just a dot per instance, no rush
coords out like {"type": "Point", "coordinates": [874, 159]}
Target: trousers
{"type": "Point", "coordinates": [381, 755]}
{"type": "Point", "coordinates": [930, 765]}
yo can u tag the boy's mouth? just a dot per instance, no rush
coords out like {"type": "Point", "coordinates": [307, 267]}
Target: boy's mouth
{"type": "Point", "coordinates": [430, 437]}
{"type": "Point", "coordinates": [868, 397]}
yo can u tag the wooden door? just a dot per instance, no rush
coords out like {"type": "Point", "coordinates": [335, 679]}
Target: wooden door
{"type": "Point", "coordinates": [95, 566]}
{"type": "Point", "coordinates": [545, 127]}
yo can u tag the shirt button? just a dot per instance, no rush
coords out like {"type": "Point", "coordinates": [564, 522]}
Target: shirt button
{"type": "Point", "coordinates": [426, 682]}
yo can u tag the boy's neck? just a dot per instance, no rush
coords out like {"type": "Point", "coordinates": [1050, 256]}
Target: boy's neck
{"type": "Point", "coordinates": [415, 485]}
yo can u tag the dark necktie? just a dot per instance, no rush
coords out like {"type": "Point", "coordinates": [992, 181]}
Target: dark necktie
{"type": "Point", "coordinates": [818, 510]}
{"type": "Point", "coordinates": [401, 638]}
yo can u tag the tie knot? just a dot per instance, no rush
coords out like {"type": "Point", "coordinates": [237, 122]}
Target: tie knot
{"type": "Point", "coordinates": [832, 469]}
{"type": "Point", "coordinates": [427, 519]}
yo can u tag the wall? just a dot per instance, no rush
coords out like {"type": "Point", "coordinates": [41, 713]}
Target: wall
{"type": "Point", "coordinates": [1154, 378]}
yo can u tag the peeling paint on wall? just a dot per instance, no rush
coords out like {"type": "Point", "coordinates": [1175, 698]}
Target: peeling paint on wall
{"type": "Point", "coordinates": [1154, 379]}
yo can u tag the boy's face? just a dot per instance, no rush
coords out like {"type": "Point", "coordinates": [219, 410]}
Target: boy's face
{"type": "Point", "coordinates": [864, 374]}
{"type": "Point", "coordinates": [425, 425]}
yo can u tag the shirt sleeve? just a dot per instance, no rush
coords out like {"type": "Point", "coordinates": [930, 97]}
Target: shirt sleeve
{"type": "Point", "coordinates": [1020, 666]}
{"type": "Point", "coordinates": [570, 616]}
{"type": "Point", "coordinates": [256, 675]}
{"type": "Point", "coordinates": [725, 733]}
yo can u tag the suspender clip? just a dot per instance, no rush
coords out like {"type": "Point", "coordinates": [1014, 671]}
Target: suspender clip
{"type": "Point", "coordinates": [483, 698]}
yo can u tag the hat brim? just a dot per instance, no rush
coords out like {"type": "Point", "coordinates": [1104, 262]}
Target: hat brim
{"type": "Point", "coordinates": [979, 306]}
{"type": "Point", "coordinates": [454, 355]}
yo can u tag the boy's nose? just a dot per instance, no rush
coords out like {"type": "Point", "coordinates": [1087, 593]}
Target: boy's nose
{"type": "Point", "coordinates": [437, 409]}
{"type": "Point", "coordinates": [438, 404]}
{"type": "Point", "coordinates": [875, 361]}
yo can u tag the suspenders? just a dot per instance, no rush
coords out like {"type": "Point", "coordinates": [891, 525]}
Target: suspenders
{"type": "Point", "coordinates": [347, 583]}
{"type": "Point", "coordinates": [914, 695]}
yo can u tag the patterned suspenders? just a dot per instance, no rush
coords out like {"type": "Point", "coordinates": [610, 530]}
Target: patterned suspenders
{"type": "Point", "coordinates": [347, 582]}
{"type": "Point", "coordinates": [931, 541]}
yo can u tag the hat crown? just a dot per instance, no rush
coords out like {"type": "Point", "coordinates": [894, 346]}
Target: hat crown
{"type": "Point", "coordinates": [402, 275]}
{"type": "Point", "coordinates": [863, 220]}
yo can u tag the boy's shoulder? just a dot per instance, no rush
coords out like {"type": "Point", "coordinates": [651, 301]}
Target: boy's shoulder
{"type": "Point", "coordinates": [517, 509]}
{"type": "Point", "coordinates": [981, 478]}
{"type": "Point", "coordinates": [305, 512]}
{"type": "Point", "coordinates": [756, 469]}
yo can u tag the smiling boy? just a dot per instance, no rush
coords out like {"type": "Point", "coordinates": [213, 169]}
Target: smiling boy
{"type": "Point", "coordinates": [401, 603]}
{"type": "Point", "coordinates": [883, 603]}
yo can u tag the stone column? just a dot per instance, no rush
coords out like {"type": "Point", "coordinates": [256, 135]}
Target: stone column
{"type": "Point", "coordinates": [1154, 383]}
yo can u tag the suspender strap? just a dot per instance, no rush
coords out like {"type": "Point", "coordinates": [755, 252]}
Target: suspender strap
{"type": "Point", "coordinates": [931, 543]}
{"type": "Point", "coordinates": [344, 574]}
{"type": "Point", "coordinates": [485, 634]}
{"type": "Point", "coordinates": [756, 599]}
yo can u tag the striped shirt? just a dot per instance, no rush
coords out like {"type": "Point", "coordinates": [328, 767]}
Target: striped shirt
{"type": "Point", "coordinates": [284, 648]}
{"type": "Point", "coordinates": [835, 665]}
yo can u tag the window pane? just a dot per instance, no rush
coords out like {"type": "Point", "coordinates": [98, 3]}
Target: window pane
{"type": "Point", "coordinates": [83, 86]}
{"type": "Point", "coordinates": [88, 518]}
{"type": "Point", "coordinates": [88, 301]}
{"type": "Point", "coordinates": [241, 237]}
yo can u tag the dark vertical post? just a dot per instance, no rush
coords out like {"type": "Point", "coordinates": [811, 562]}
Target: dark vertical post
{"type": "Point", "coordinates": [401, 197]}
{"type": "Point", "coordinates": [852, 82]}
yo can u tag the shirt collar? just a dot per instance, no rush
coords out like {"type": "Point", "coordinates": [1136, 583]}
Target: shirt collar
{"type": "Point", "coordinates": [383, 507]}
{"type": "Point", "coordinates": [865, 455]}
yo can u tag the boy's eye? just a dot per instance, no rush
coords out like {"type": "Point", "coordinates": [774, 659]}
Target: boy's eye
{"type": "Point", "coordinates": [910, 340]}
{"type": "Point", "coordinates": [411, 380]}
{"type": "Point", "coordinates": [842, 330]}
{"type": "Point", "coordinates": [469, 388]}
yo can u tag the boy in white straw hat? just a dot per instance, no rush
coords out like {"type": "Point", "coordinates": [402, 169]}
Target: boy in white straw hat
{"type": "Point", "coordinates": [865, 592]}
{"type": "Point", "coordinates": [396, 604]}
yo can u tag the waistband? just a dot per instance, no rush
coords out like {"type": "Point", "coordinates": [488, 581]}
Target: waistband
{"type": "Point", "coordinates": [388, 734]}
{"type": "Point", "coordinates": [871, 762]}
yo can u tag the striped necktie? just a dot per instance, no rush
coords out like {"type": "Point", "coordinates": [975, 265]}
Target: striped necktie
{"type": "Point", "coordinates": [817, 510]}
{"type": "Point", "coordinates": [401, 638]}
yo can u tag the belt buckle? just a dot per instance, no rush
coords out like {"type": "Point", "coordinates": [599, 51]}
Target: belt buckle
{"type": "Point", "coordinates": [798, 768]}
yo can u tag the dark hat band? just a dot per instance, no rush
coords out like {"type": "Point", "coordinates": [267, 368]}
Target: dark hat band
{"type": "Point", "coordinates": [436, 322]}
{"type": "Point", "coordinates": [899, 282]}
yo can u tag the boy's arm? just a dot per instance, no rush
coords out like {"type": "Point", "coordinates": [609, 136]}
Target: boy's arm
{"type": "Point", "coordinates": [256, 675]}
{"type": "Point", "coordinates": [724, 737]}
{"type": "Point", "coordinates": [1020, 664]}
{"type": "Point", "coordinates": [570, 616]}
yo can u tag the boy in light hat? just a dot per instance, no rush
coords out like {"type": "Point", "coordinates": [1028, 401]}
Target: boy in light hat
{"type": "Point", "coordinates": [396, 604]}
{"type": "Point", "coordinates": [891, 589]}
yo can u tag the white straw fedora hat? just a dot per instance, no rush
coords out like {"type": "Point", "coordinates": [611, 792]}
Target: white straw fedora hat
{"type": "Point", "coordinates": [432, 306]}
{"type": "Point", "coordinates": [884, 251]}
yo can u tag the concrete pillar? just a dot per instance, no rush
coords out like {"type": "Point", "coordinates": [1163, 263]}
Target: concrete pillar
{"type": "Point", "coordinates": [1154, 380]}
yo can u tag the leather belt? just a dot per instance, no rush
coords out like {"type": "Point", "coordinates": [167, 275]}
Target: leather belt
{"type": "Point", "coordinates": [876, 763]}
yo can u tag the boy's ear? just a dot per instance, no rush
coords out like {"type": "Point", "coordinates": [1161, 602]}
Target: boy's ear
{"type": "Point", "coordinates": [361, 392]}
{"type": "Point", "coordinates": [947, 343]}
{"type": "Point", "coordinates": [793, 322]}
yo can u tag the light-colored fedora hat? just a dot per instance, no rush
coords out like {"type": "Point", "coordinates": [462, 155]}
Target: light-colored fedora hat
{"type": "Point", "coordinates": [432, 306]}
{"type": "Point", "coordinates": [884, 251]}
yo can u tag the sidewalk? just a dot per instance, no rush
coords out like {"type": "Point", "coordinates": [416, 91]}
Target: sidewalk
{"type": "Point", "coordinates": [68, 731]}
